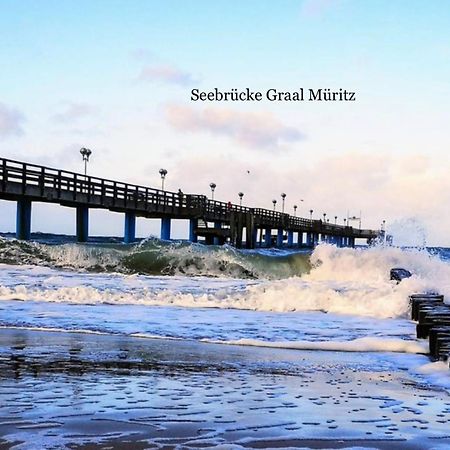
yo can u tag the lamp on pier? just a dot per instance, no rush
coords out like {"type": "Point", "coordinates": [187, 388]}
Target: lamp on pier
{"type": "Point", "coordinates": [163, 173]}
{"type": "Point", "coordinates": [295, 210]}
{"type": "Point", "coordinates": [324, 217]}
{"type": "Point", "coordinates": [283, 197]}
{"type": "Point", "coordinates": [335, 220]}
{"type": "Point", "coordinates": [310, 214]}
{"type": "Point", "coordinates": [85, 153]}
{"type": "Point", "coordinates": [213, 188]}
{"type": "Point", "coordinates": [274, 204]}
{"type": "Point", "coordinates": [240, 194]}
{"type": "Point", "coordinates": [345, 222]}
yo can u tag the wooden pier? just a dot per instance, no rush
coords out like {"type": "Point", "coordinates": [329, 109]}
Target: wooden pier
{"type": "Point", "coordinates": [217, 222]}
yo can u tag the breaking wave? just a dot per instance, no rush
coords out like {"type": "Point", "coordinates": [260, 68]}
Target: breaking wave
{"type": "Point", "coordinates": [155, 257]}
{"type": "Point", "coordinates": [343, 281]}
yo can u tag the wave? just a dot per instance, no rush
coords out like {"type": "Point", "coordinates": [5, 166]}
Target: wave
{"type": "Point", "coordinates": [155, 257]}
{"type": "Point", "coordinates": [344, 281]}
{"type": "Point", "coordinates": [366, 344]}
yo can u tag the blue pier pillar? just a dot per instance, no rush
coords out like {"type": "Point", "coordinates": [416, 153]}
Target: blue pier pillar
{"type": "Point", "coordinates": [254, 237]}
{"type": "Point", "coordinates": [23, 220]}
{"type": "Point", "coordinates": [309, 239]}
{"type": "Point", "coordinates": [82, 223]}
{"type": "Point", "coordinates": [299, 239]}
{"type": "Point", "coordinates": [315, 239]}
{"type": "Point", "coordinates": [193, 224]}
{"type": "Point", "coordinates": [165, 228]}
{"type": "Point", "coordinates": [130, 228]}
{"type": "Point", "coordinates": [280, 237]}
{"type": "Point", "coordinates": [217, 226]}
{"type": "Point", "coordinates": [351, 242]}
{"type": "Point", "coordinates": [268, 237]}
{"type": "Point", "coordinates": [290, 238]}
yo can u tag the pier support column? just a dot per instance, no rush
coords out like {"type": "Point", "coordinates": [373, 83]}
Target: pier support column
{"type": "Point", "coordinates": [309, 239]}
{"type": "Point", "coordinates": [217, 226]}
{"type": "Point", "coordinates": [280, 237]}
{"type": "Point", "coordinates": [23, 220]}
{"type": "Point", "coordinates": [268, 237]}
{"type": "Point", "coordinates": [351, 242]}
{"type": "Point", "coordinates": [315, 239]}
{"type": "Point", "coordinates": [193, 224]}
{"type": "Point", "coordinates": [290, 238]}
{"type": "Point", "coordinates": [165, 228]}
{"type": "Point", "coordinates": [82, 223]}
{"type": "Point", "coordinates": [130, 228]}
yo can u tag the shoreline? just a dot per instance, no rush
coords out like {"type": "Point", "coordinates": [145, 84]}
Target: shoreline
{"type": "Point", "coordinates": [89, 391]}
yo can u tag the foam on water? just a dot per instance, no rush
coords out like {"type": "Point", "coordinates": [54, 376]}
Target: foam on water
{"type": "Point", "coordinates": [346, 281]}
{"type": "Point", "coordinates": [367, 344]}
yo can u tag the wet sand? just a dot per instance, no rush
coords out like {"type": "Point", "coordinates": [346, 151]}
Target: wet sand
{"type": "Point", "coordinates": [86, 391]}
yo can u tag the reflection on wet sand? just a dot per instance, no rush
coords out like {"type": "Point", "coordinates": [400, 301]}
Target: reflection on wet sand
{"type": "Point", "coordinates": [90, 391]}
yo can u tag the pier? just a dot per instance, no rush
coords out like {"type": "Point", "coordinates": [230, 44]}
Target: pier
{"type": "Point", "coordinates": [213, 221]}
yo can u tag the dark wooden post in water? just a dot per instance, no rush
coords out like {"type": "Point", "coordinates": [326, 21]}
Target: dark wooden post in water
{"type": "Point", "coordinates": [193, 225]}
{"type": "Point", "coordinates": [130, 227]}
{"type": "Point", "coordinates": [23, 219]}
{"type": "Point", "coordinates": [82, 223]}
{"type": "Point", "coordinates": [250, 231]}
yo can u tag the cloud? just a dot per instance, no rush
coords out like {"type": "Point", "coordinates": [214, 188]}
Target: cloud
{"type": "Point", "coordinates": [166, 73]}
{"type": "Point", "coordinates": [257, 130]}
{"type": "Point", "coordinates": [316, 8]}
{"type": "Point", "coordinates": [11, 122]}
{"type": "Point", "coordinates": [73, 112]}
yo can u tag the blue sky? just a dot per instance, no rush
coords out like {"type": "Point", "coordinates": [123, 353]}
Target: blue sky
{"type": "Point", "coordinates": [116, 76]}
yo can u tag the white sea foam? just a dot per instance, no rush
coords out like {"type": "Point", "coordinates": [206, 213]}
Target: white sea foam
{"type": "Point", "coordinates": [367, 344]}
{"type": "Point", "coordinates": [345, 281]}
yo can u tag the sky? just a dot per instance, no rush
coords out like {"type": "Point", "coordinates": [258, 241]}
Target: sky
{"type": "Point", "coordinates": [116, 77]}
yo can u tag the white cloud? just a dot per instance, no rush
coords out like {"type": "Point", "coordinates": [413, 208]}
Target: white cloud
{"type": "Point", "coordinates": [260, 130]}
{"type": "Point", "coordinates": [11, 122]}
{"type": "Point", "coordinates": [166, 73]}
{"type": "Point", "coordinates": [73, 112]}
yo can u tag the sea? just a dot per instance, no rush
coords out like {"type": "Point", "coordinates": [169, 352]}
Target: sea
{"type": "Point", "coordinates": [334, 301]}
{"type": "Point", "coordinates": [339, 299]}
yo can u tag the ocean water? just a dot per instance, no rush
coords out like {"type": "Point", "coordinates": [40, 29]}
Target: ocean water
{"type": "Point", "coordinates": [332, 299]}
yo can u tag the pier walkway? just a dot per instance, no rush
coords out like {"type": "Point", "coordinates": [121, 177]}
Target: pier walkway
{"type": "Point", "coordinates": [216, 222]}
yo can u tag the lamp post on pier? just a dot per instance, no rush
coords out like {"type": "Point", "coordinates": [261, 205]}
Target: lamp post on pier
{"type": "Point", "coordinates": [274, 204]}
{"type": "Point", "coordinates": [295, 210]}
{"type": "Point", "coordinates": [310, 214]}
{"type": "Point", "coordinates": [324, 217]}
{"type": "Point", "coordinates": [240, 194]}
{"type": "Point", "coordinates": [213, 188]}
{"type": "Point", "coordinates": [85, 153]}
{"type": "Point", "coordinates": [283, 197]}
{"type": "Point", "coordinates": [335, 220]}
{"type": "Point", "coordinates": [163, 173]}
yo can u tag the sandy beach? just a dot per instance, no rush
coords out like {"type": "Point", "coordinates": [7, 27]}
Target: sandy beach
{"type": "Point", "coordinates": [73, 390]}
